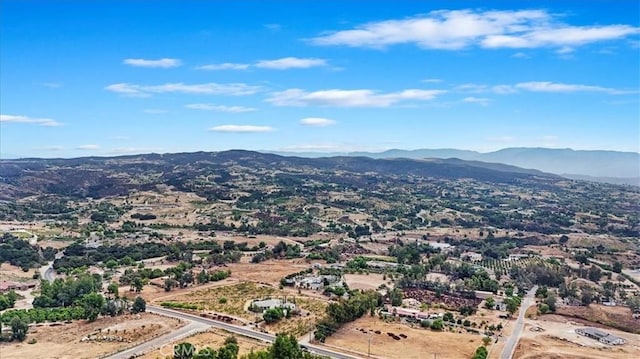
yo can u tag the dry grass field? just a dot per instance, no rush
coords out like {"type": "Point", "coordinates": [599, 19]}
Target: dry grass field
{"type": "Point", "coordinates": [366, 281]}
{"type": "Point", "coordinates": [419, 344]}
{"type": "Point", "coordinates": [64, 341]}
{"type": "Point", "coordinates": [213, 338]}
{"type": "Point", "coordinates": [554, 336]}
{"type": "Point", "coordinates": [234, 300]}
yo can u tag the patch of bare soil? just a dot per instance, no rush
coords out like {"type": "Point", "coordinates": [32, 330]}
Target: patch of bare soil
{"type": "Point", "coordinates": [411, 343]}
{"type": "Point", "coordinates": [88, 340]}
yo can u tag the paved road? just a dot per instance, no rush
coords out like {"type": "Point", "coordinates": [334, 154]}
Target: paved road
{"type": "Point", "coordinates": [161, 342]}
{"type": "Point", "coordinates": [510, 346]}
{"type": "Point", "coordinates": [197, 323]}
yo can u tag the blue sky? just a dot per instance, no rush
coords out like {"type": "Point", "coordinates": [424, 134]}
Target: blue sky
{"type": "Point", "coordinates": [82, 78]}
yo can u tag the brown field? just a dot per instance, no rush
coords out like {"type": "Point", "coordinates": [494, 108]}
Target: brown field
{"type": "Point", "coordinates": [237, 299]}
{"type": "Point", "coordinates": [419, 344]}
{"type": "Point", "coordinates": [554, 336]}
{"type": "Point", "coordinates": [64, 341]}
{"type": "Point", "coordinates": [213, 338]}
{"type": "Point", "coordinates": [268, 272]}
{"type": "Point", "coordinates": [617, 317]}
{"type": "Point", "coordinates": [364, 281]}
{"type": "Point", "coordinates": [9, 272]}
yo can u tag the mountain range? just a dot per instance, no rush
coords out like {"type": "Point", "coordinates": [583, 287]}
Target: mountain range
{"type": "Point", "coordinates": [601, 166]}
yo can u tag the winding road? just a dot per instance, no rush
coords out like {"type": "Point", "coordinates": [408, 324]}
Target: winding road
{"type": "Point", "coordinates": [512, 342]}
{"type": "Point", "coordinates": [196, 324]}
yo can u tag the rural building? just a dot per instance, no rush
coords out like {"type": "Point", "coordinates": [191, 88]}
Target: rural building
{"type": "Point", "coordinates": [6, 286]}
{"type": "Point", "coordinates": [601, 336]}
{"type": "Point", "coordinates": [272, 304]}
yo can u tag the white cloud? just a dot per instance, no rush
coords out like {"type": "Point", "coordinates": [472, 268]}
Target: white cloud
{"type": "Point", "coordinates": [50, 148]}
{"type": "Point", "coordinates": [132, 150]}
{"type": "Point", "coordinates": [459, 29]}
{"type": "Point", "coordinates": [223, 66]}
{"type": "Point", "coordinates": [25, 119]}
{"type": "Point", "coordinates": [88, 147]}
{"type": "Point", "coordinates": [52, 85]}
{"type": "Point", "coordinates": [273, 27]}
{"type": "Point", "coordinates": [432, 81]}
{"type": "Point", "coordinates": [349, 98]}
{"type": "Point", "coordinates": [520, 55]}
{"type": "Point", "coordinates": [160, 63]}
{"type": "Point", "coordinates": [547, 86]}
{"type": "Point", "coordinates": [120, 138]}
{"type": "Point", "coordinates": [317, 122]}
{"type": "Point", "coordinates": [219, 108]}
{"type": "Point", "coordinates": [537, 86]}
{"type": "Point", "coordinates": [212, 88]}
{"type": "Point", "coordinates": [482, 101]}
{"type": "Point", "coordinates": [241, 129]}
{"type": "Point", "coordinates": [290, 63]}
{"type": "Point", "coordinates": [154, 111]}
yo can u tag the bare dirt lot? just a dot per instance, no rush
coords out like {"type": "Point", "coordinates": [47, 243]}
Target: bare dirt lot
{"type": "Point", "coordinates": [554, 336]}
{"type": "Point", "coordinates": [268, 272]}
{"type": "Point", "coordinates": [617, 317]}
{"type": "Point", "coordinates": [364, 281]}
{"type": "Point", "coordinates": [65, 341]}
{"type": "Point", "coordinates": [213, 338]}
{"type": "Point", "coordinates": [15, 274]}
{"type": "Point", "coordinates": [418, 344]}
{"type": "Point", "coordinates": [234, 300]}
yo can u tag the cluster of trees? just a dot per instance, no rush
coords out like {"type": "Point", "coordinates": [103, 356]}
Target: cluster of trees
{"type": "Point", "coordinates": [18, 252]}
{"type": "Point", "coordinates": [87, 307]}
{"type": "Point", "coordinates": [284, 347]}
{"type": "Point", "coordinates": [548, 304]}
{"type": "Point", "coordinates": [273, 315]}
{"type": "Point", "coordinates": [143, 216]}
{"type": "Point", "coordinates": [213, 276]}
{"type": "Point", "coordinates": [77, 255]}
{"type": "Point", "coordinates": [346, 311]}
{"type": "Point", "coordinates": [8, 300]}
{"type": "Point", "coordinates": [65, 292]}
{"type": "Point", "coordinates": [410, 253]}
{"type": "Point", "coordinates": [540, 273]}
{"type": "Point", "coordinates": [280, 250]}
{"type": "Point", "coordinates": [107, 212]}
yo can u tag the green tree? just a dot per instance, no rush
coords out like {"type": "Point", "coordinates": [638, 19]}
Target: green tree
{"type": "Point", "coordinates": [437, 325]}
{"type": "Point", "coordinates": [206, 353]}
{"type": "Point", "coordinates": [286, 347]}
{"type": "Point", "coordinates": [138, 284]}
{"type": "Point", "coordinates": [448, 317]}
{"type": "Point", "coordinates": [112, 288]}
{"type": "Point", "coordinates": [273, 315]}
{"type": "Point", "coordinates": [490, 303]}
{"type": "Point", "coordinates": [617, 267]}
{"type": "Point", "coordinates": [512, 304]}
{"type": "Point", "coordinates": [183, 351]}
{"type": "Point", "coordinates": [139, 305]}
{"type": "Point", "coordinates": [19, 328]}
{"type": "Point", "coordinates": [92, 304]}
{"type": "Point", "coordinates": [481, 353]}
{"type": "Point", "coordinates": [111, 264]}
{"type": "Point", "coordinates": [396, 297]}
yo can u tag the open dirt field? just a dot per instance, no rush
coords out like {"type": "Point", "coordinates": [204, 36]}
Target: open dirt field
{"type": "Point", "coordinates": [419, 344]}
{"type": "Point", "coordinates": [268, 272]}
{"type": "Point", "coordinates": [213, 338]}
{"type": "Point", "coordinates": [617, 317]}
{"type": "Point", "coordinates": [15, 274]}
{"type": "Point", "coordinates": [234, 300]}
{"type": "Point", "coordinates": [64, 341]}
{"type": "Point", "coordinates": [554, 336]}
{"type": "Point", "coordinates": [364, 281]}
